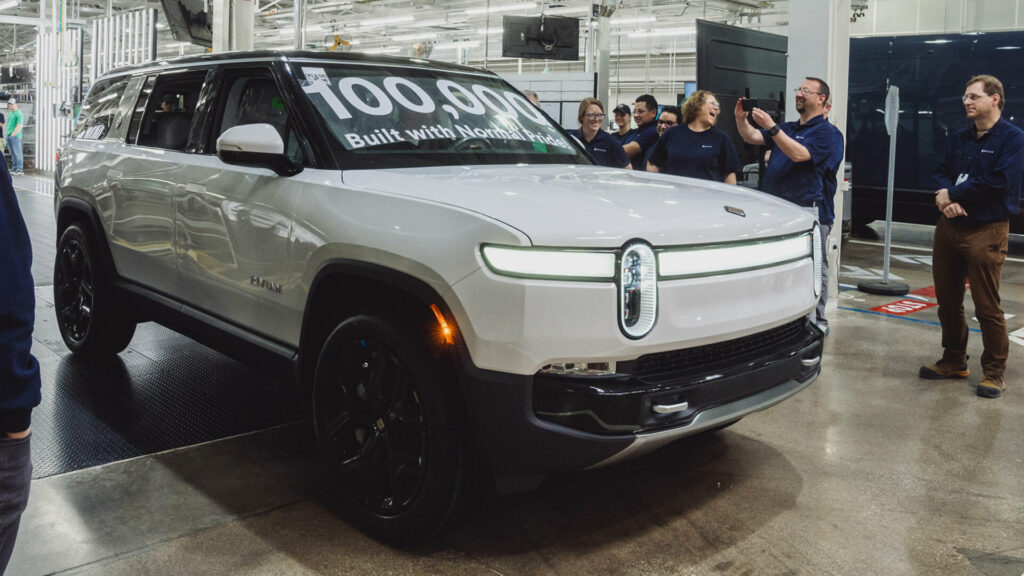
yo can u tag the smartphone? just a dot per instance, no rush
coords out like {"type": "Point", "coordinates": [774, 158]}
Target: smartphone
{"type": "Point", "coordinates": [749, 104]}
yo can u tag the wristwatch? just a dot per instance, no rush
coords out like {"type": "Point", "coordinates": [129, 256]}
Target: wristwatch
{"type": "Point", "coordinates": [774, 130]}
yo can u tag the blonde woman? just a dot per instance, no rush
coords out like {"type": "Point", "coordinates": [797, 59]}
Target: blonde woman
{"type": "Point", "coordinates": [696, 148]}
{"type": "Point", "coordinates": [602, 146]}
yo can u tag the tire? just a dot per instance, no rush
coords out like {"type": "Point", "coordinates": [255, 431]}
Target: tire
{"type": "Point", "coordinates": [388, 430]}
{"type": "Point", "coordinates": [88, 316]}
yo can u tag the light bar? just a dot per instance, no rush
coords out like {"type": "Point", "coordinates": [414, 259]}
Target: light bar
{"type": "Point", "coordinates": [505, 8]}
{"type": "Point", "coordinates": [683, 263]}
{"type": "Point", "coordinates": [547, 263]}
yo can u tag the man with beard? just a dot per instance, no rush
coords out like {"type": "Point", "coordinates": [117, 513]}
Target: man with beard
{"type": "Point", "coordinates": [800, 153]}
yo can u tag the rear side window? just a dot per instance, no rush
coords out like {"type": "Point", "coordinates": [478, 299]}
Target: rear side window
{"type": "Point", "coordinates": [169, 109]}
{"type": "Point", "coordinates": [100, 109]}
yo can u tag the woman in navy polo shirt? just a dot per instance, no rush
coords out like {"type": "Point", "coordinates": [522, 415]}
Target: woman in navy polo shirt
{"type": "Point", "coordinates": [696, 148]}
{"type": "Point", "coordinates": [602, 146]}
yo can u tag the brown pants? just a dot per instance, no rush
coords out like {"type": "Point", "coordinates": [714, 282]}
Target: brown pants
{"type": "Point", "coordinates": [976, 253]}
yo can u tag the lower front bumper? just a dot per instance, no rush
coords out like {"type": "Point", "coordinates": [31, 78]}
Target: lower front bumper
{"type": "Point", "coordinates": [530, 425]}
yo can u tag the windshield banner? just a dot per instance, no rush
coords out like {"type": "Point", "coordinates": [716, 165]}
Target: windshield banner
{"type": "Point", "coordinates": [373, 109]}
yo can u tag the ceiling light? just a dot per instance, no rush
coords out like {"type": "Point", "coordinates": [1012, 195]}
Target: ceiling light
{"type": "Point", "coordinates": [941, 41]}
{"type": "Point", "coordinates": [446, 45]}
{"type": "Point", "coordinates": [663, 32]}
{"type": "Point", "coordinates": [491, 31]}
{"type": "Point", "coordinates": [505, 8]}
{"type": "Point", "coordinates": [329, 6]}
{"type": "Point", "coordinates": [385, 21]}
{"type": "Point", "coordinates": [391, 50]}
{"type": "Point", "coordinates": [631, 21]}
{"type": "Point", "coordinates": [9, 4]}
{"type": "Point", "coordinates": [421, 36]}
{"type": "Point", "coordinates": [1007, 47]}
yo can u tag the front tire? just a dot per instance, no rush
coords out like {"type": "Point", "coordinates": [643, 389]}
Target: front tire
{"type": "Point", "coordinates": [388, 429]}
{"type": "Point", "coordinates": [90, 322]}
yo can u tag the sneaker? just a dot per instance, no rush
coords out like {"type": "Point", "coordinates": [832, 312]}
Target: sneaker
{"type": "Point", "coordinates": [991, 387]}
{"type": "Point", "coordinates": [944, 369]}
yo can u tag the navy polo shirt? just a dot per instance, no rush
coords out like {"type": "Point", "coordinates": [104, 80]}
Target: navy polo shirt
{"type": "Point", "coordinates": [827, 208]}
{"type": "Point", "coordinates": [708, 155]}
{"type": "Point", "coordinates": [626, 138]}
{"type": "Point", "coordinates": [646, 137]}
{"type": "Point", "coordinates": [604, 149]}
{"type": "Point", "coordinates": [992, 164]}
{"type": "Point", "coordinates": [799, 182]}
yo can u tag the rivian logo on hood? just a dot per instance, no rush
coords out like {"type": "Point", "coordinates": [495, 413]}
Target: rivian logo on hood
{"type": "Point", "coordinates": [736, 211]}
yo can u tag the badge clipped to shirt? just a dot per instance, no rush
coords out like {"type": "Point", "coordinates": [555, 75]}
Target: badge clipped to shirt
{"type": "Point", "coordinates": [960, 179]}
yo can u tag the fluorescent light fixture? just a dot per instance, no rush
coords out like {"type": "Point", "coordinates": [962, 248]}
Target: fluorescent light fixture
{"type": "Point", "coordinates": [940, 41]}
{"type": "Point", "coordinates": [330, 6]}
{"type": "Point", "coordinates": [385, 21]}
{"type": "Point", "coordinates": [491, 31]}
{"type": "Point", "coordinates": [389, 50]}
{"type": "Point", "coordinates": [631, 21]}
{"type": "Point", "coordinates": [281, 16]}
{"type": "Point", "coordinates": [567, 10]}
{"type": "Point", "coordinates": [504, 8]}
{"type": "Point", "coordinates": [1007, 47]}
{"type": "Point", "coordinates": [663, 32]}
{"type": "Point", "coordinates": [9, 4]}
{"type": "Point", "coordinates": [548, 263]}
{"type": "Point", "coordinates": [447, 45]}
{"type": "Point", "coordinates": [420, 36]}
{"type": "Point", "coordinates": [724, 259]}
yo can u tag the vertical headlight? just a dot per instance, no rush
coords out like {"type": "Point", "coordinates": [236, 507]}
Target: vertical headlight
{"type": "Point", "coordinates": [638, 290]}
{"type": "Point", "coordinates": [817, 255]}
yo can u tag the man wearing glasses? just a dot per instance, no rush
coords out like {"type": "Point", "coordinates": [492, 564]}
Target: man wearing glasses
{"type": "Point", "coordinates": [796, 169]}
{"type": "Point", "coordinates": [979, 188]}
{"type": "Point", "coordinates": [645, 112]}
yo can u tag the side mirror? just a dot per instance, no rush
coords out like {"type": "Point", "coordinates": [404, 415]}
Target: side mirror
{"type": "Point", "coordinates": [256, 145]}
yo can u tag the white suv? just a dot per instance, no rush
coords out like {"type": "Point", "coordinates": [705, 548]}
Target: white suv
{"type": "Point", "coordinates": [434, 261]}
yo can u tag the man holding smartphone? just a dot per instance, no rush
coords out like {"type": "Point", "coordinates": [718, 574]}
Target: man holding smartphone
{"type": "Point", "coordinates": [800, 153]}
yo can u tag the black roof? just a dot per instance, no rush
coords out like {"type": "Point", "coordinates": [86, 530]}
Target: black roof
{"type": "Point", "coordinates": [289, 54]}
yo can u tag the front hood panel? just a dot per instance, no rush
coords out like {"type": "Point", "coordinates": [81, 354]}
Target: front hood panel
{"type": "Point", "coordinates": [591, 206]}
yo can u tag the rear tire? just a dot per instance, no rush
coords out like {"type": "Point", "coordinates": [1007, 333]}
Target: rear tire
{"type": "Point", "coordinates": [388, 430]}
{"type": "Point", "coordinates": [88, 316]}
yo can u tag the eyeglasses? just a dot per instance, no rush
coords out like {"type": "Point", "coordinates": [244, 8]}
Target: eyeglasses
{"type": "Point", "coordinates": [594, 116]}
{"type": "Point", "coordinates": [804, 90]}
{"type": "Point", "coordinates": [714, 105]}
{"type": "Point", "coordinates": [667, 122]}
{"type": "Point", "coordinates": [973, 97]}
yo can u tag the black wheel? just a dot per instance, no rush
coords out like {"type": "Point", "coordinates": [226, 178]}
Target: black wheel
{"type": "Point", "coordinates": [87, 313]}
{"type": "Point", "coordinates": [388, 430]}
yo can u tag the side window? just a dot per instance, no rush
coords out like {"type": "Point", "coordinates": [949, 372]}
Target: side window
{"type": "Point", "coordinates": [253, 98]}
{"type": "Point", "coordinates": [100, 109]}
{"type": "Point", "coordinates": [131, 93]}
{"type": "Point", "coordinates": [167, 118]}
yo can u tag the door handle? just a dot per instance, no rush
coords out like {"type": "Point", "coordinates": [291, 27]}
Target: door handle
{"type": "Point", "coordinates": [193, 188]}
{"type": "Point", "coordinates": [114, 174]}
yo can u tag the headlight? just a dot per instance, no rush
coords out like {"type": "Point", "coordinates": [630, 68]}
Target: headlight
{"type": "Point", "coordinates": [549, 263]}
{"type": "Point", "coordinates": [816, 248]}
{"type": "Point", "coordinates": [638, 290]}
{"type": "Point", "coordinates": [734, 257]}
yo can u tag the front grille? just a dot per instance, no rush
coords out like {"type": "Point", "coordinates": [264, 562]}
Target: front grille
{"type": "Point", "coordinates": [711, 354]}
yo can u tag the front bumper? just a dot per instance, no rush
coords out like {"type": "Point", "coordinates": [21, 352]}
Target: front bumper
{"type": "Point", "coordinates": [529, 425]}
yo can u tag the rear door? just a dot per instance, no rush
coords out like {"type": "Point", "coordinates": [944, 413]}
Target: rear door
{"type": "Point", "coordinates": [144, 172]}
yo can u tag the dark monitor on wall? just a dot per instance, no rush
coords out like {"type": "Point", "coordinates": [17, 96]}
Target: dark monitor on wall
{"type": "Point", "coordinates": [189, 21]}
{"type": "Point", "coordinates": [540, 37]}
{"type": "Point", "coordinates": [16, 75]}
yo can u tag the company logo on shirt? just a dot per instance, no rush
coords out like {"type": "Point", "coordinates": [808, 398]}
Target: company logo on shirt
{"type": "Point", "coordinates": [983, 151]}
{"type": "Point", "coordinates": [705, 146]}
{"type": "Point", "coordinates": [596, 149]}
{"type": "Point", "coordinates": [800, 137]}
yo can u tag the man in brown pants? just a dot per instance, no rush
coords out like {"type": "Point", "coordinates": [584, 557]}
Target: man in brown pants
{"type": "Point", "coordinates": [979, 181]}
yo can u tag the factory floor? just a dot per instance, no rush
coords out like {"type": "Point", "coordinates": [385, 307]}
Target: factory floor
{"type": "Point", "coordinates": [174, 459]}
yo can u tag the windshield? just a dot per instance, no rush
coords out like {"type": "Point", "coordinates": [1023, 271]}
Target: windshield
{"type": "Point", "coordinates": [391, 117]}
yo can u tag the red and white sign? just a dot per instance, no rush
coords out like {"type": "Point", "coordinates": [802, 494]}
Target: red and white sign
{"type": "Point", "coordinates": [903, 307]}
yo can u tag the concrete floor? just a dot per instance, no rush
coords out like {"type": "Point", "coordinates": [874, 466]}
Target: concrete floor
{"type": "Point", "coordinates": [871, 470]}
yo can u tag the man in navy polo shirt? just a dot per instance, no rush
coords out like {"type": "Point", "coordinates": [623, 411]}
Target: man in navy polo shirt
{"type": "Point", "coordinates": [645, 112]}
{"type": "Point", "coordinates": [799, 159]}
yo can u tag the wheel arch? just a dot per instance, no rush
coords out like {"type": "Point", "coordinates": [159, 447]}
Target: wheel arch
{"type": "Point", "coordinates": [71, 210]}
{"type": "Point", "coordinates": [343, 287]}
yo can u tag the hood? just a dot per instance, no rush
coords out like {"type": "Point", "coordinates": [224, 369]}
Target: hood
{"type": "Point", "coordinates": [595, 207]}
